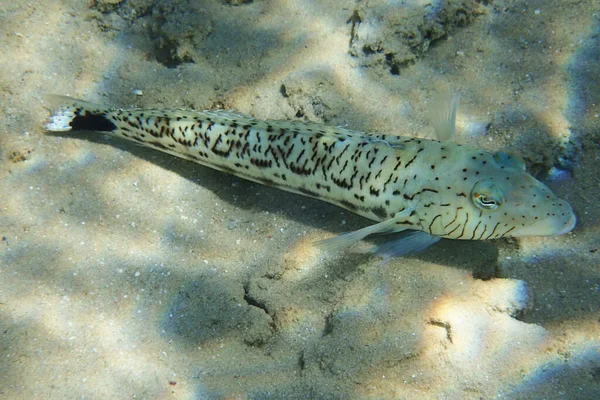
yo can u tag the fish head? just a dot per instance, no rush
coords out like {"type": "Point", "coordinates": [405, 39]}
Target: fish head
{"type": "Point", "coordinates": [491, 194]}
{"type": "Point", "coordinates": [498, 198]}
{"type": "Point", "coordinates": [523, 206]}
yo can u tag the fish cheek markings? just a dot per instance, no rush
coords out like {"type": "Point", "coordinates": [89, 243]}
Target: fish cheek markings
{"type": "Point", "coordinates": [453, 221]}
{"type": "Point", "coordinates": [435, 220]}
{"type": "Point", "coordinates": [491, 234]}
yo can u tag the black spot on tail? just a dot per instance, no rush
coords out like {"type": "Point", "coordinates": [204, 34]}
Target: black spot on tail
{"type": "Point", "coordinates": [92, 122]}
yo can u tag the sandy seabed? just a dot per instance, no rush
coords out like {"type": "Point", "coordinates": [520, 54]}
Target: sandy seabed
{"type": "Point", "coordinates": [127, 273]}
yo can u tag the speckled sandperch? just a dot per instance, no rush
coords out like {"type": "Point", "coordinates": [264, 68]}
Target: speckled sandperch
{"type": "Point", "coordinates": [435, 188]}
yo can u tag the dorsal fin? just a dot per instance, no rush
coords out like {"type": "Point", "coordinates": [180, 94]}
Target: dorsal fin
{"type": "Point", "coordinates": [442, 115]}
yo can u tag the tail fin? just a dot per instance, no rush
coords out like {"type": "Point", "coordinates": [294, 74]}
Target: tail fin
{"type": "Point", "coordinates": [79, 115]}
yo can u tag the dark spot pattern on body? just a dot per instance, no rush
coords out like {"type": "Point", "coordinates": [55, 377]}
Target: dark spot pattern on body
{"type": "Point", "coordinates": [379, 212]}
{"type": "Point", "coordinates": [308, 192]}
{"type": "Point", "coordinates": [159, 145]}
{"type": "Point", "coordinates": [348, 205]}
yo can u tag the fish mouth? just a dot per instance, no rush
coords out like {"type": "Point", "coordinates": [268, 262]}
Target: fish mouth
{"type": "Point", "coordinates": [569, 225]}
{"type": "Point", "coordinates": [552, 226]}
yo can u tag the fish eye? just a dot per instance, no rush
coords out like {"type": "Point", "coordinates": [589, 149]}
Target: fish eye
{"type": "Point", "coordinates": [486, 196]}
{"type": "Point", "coordinates": [485, 202]}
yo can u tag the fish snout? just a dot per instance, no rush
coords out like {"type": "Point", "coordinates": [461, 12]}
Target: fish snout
{"type": "Point", "coordinates": [559, 222]}
{"type": "Point", "coordinates": [570, 223]}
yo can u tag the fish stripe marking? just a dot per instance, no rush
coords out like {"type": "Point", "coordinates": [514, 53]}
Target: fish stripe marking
{"type": "Point", "coordinates": [433, 221]}
{"type": "Point", "coordinates": [491, 234]}
{"type": "Point", "coordinates": [475, 230]}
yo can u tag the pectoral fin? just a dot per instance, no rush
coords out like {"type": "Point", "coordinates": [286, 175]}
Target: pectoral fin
{"type": "Point", "coordinates": [412, 242]}
{"type": "Point", "coordinates": [348, 239]}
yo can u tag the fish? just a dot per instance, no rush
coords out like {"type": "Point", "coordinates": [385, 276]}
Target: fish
{"type": "Point", "coordinates": [430, 189]}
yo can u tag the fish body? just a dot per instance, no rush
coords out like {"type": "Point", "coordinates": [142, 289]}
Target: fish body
{"type": "Point", "coordinates": [440, 188]}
